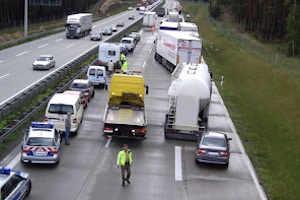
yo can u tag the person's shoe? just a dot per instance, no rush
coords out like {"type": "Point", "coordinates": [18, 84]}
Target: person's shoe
{"type": "Point", "coordinates": [128, 181]}
{"type": "Point", "coordinates": [67, 143]}
{"type": "Point", "coordinates": [123, 183]}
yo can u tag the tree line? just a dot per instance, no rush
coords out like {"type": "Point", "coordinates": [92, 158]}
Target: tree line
{"type": "Point", "coordinates": [270, 20]}
{"type": "Point", "coordinates": [12, 11]}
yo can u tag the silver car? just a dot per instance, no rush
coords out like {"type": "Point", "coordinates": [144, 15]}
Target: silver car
{"type": "Point", "coordinates": [213, 147]}
{"type": "Point", "coordinates": [85, 86]}
{"type": "Point", "coordinates": [14, 184]}
{"type": "Point", "coordinates": [43, 62]}
{"type": "Point", "coordinates": [41, 144]}
{"type": "Point", "coordinates": [107, 31]}
{"type": "Point", "coordinates": [96, 36]}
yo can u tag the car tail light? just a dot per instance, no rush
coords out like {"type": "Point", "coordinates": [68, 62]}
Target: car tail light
{"type": "Point", "coordinates": [45, 118]}
{"type": "Point", "coordinates": [74, 120]}
{"type": "Point", "coordinates": [201, 151]}
{"type": "Point", "coordinates": [224, 154]}
{"type": "Point", "coordinates": [25, 150]}
{"type": "Point", "coordinates": [143, 131]}
{"type": "Point", "coordinates": [86, 92]}
{"type": "Point", "coordinates": [107, 128]}
{"type": "Point", "coordinates": [100, 62]}
{"type": "Point", "coordinates": [54, 151]}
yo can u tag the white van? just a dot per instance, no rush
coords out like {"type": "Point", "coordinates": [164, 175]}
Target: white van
{"type": "Point", "coordinates": [129, 43]}
{"type": "Point", "coordinates": [58, 107]}
{"type": "Point", "coordinates": [97, 75]}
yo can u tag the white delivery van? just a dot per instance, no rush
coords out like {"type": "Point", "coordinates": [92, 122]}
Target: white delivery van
{"type": "Point", "coordinates": [129, 43]}
{"type": "Point", "coordinates": [97, 75]}
{"type": "Point", "coordinates": [58, 107]}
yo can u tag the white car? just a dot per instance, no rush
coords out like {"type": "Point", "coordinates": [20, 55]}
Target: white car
{"type": "Point", "coordinates": [43, 62]}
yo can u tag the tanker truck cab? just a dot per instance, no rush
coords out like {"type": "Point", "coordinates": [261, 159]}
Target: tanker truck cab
{"type": "Point", "coordinates": [58, 107]}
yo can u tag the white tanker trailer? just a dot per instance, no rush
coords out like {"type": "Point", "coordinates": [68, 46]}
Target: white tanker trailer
{"type": "Point", "coordinates": [189, 99]}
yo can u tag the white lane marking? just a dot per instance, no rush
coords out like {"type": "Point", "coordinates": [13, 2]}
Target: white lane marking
{"type": "Point", "coordinates": [1, 61]}
{"type": "Point", "coordinates": [20, 54]}
{"type": "Point", "coordinates": [58, 40]}
{"type": "Point", "coordinates": [14, 162]}
{"type": "Point", "coordinates": [108, 142]}
{"type": "Point", "coordinates": [4, 76]}
{"type": "Point", "coordinates": [43, 46]}
{"type": "Point", "coordinates": [69, 46]}
{"type": "Point", "coordinates": [144, 64]}
{"type": "Point", "coordinates": [178, 164]}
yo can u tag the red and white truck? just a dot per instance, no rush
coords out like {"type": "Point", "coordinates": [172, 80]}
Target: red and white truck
{"type": "Point", "coordinates": [175, 47]}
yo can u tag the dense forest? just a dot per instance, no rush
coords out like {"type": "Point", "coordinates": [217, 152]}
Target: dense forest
{"type": "Point", "coordinates": [276, 21]}
{"type": "Point", "coordinates": [12, 11]}
{"type": "Point", "coordinates": [270, 20]}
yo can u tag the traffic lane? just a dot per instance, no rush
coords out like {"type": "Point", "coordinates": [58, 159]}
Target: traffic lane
{"type": "Point", "coordinates": [16, 62]}
{"type": "Point", "coordinates": [66, 180]}
{"type": "Point", "coordinates": [238, 176]}
{"type": "Point", "coordinates": [216, 181]}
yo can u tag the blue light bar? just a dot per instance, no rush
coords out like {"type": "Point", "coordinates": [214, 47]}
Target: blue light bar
{"type": "Point", "coordinates": [4, 170]}
{"type": "Point", "coordinates": [42, 125]}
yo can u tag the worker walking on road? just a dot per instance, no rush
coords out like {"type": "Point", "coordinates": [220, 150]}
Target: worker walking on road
{"type": "Point", "coordinates": [68, 128]}
{"type": "Point", "coordinates": [125, 161]}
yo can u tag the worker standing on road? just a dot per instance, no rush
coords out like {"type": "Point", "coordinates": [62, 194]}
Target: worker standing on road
{"type": "Point", "coordinates": [122, 57]}
{"type": "Point", "coordinates": [124, 67]}
{"type": "Point", "coordinates": [68, 128]}
{"type": "Point", "coordinates": [153, 29]}
{"type": "Point", "coordinates": [125, 161]}
{"type": "Point", "coordinates": [110, 68]}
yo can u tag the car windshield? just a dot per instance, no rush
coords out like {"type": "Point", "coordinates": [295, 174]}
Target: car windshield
{"type": "Point", "coordinates": [79, 86]}
{"type": "Point", "coordinates": [39, 141]}
{"type": "Point", "coordinates": [60, 109]}
{"type": "Point", "coordinates": [43, 59]}
{"type": "Point", "coordinates": [126, 41]}
{"type": "Point", "coordinates": [213, 142]}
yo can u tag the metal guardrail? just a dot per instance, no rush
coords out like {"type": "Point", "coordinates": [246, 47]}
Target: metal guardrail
{"type": "Point", "coordinates": [53, 81]}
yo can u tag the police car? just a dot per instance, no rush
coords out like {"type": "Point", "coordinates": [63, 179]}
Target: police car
{"type": "Point", "coordinates": [41, 144]}
{"type": "Point", "coordinates": [14, 184]}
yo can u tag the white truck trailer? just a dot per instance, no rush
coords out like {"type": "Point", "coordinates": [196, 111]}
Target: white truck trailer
{"type": "Point", "coordinates": [149, 20]}
{"type": "Point", "coordinates": [189, 100]}
{"type": "Point", "coordinates": [79, 25]}
{"type": "Point", "coordinates": [175, 47]}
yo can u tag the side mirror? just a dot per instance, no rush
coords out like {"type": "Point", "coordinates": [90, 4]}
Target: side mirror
{"type": "Point", "coordinates": [147, 89]}
{"type": "Point", "coordinates": [106, 87]}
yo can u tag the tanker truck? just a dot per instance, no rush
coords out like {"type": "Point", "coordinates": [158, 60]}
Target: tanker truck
{"type": "Point", "coordinates": [189, 100]}
{"type": "Point", "coordinates": [175, 47]}
{"type": "Point", "coordinates": [79, 25]}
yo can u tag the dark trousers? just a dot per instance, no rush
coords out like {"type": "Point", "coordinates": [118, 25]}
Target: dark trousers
{"type": "Point", "coordinates": [124, 169]}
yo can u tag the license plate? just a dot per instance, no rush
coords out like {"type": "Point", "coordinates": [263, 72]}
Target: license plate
{"type": "Point", "coordinates": [213, 153]}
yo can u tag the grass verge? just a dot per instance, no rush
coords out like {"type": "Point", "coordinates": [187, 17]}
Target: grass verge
{"type": "Point", "coordinates": [263, 100]}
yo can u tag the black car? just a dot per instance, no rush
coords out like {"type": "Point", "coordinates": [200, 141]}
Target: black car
{"type": "Point", "coordinates": [213, 147]}
{"type": "Point", "coordinates": [120, 24]}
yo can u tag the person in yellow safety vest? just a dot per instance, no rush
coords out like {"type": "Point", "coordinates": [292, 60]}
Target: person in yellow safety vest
{"type": "Point", "coordinates": [124, 67]}
{"type": "Point", "coordinates": [122, 57]}
{"type": "Point", "coordinates": [125, 161]}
